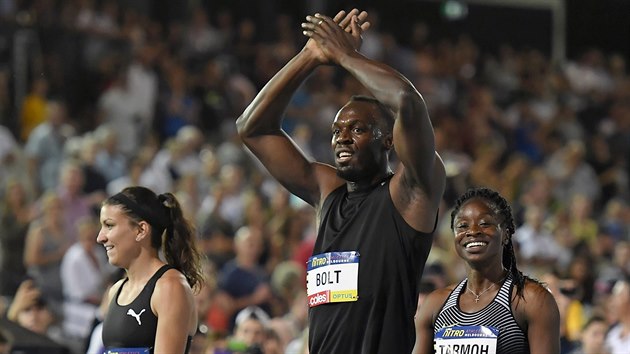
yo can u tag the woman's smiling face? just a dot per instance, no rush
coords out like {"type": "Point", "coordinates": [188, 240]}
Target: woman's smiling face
{"type": "Point", "coordinates": [118, 235]}
{"type": "Point", "coordinates": [478, 232]}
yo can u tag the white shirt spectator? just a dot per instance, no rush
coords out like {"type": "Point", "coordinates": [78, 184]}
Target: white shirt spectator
{"type": "Point", "coordinates": [46, 144]}
{"type": "Point", "coordinates": [537, 243]}
{"type": "Point", "coordinates": [143, 87]}
{"type": "Point", "coordinates": [7, 143]}
{"type": "Point", "coordinates": [616, 341]}
{"type": "Point", "coordinates": [82, 280]}
{"type": "Point", "coordinates": [96, 345]}
{"type": "Point", "coordinates": [120, 111]}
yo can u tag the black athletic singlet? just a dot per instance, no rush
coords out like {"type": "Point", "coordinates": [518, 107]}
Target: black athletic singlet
{"type": "Point", "coordinates": [134, 325]}
{"type": "Point", "coordinates": [391, 259]}
{"type": "Point", "coordinates": [512, 339]}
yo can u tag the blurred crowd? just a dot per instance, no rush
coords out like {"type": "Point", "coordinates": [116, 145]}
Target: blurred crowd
{"type": "Point", "coordinates": [117, 98]}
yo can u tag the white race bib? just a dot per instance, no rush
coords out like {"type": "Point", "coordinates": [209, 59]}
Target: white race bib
{"type": "Point", "coordinates": [466, 339]}
{"type": "Point", "coordinates": [332, 277]}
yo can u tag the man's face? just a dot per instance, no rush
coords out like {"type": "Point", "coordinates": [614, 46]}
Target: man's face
{"type": "Point", "coordinates": [594, 335]}
{"type": "Point", "coordinates": [357, 141]}
{"type": "Point", "coordinates": [56, 113]}
{"type": "Point", "coordinates": [36, 318]}
{"type": "Point", "coordinates": [251, 331]}
{"type": "Point", "coordinates": [73, 179]}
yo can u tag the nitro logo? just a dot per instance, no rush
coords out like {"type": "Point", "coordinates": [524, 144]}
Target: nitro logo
{"type": "Point", "coordinates": [318, 262]}
{"type": "Point", "coordinates": [454, 332]}
{"type": "Point", "coordinates": [318, 299]}
{"type": "Point", "coordinates": [466, 340]}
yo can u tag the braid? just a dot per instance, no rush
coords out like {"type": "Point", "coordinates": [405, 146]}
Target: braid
{"type": "Point", "coordinates": [509, 261]}
{"type": "Point", "coordinates": [501, 207]}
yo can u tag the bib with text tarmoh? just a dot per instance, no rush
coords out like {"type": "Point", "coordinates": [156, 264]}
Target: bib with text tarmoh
{"type": "Point", "coordinates": [466, 339]}
{"type": "Point", "coordinates": [332, 277]}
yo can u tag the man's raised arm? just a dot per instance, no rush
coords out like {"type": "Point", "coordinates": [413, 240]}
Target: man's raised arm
{"type": "Point", "coordinates": [260, 124]}
{"type": "Point", "coordinates": [421, 184]}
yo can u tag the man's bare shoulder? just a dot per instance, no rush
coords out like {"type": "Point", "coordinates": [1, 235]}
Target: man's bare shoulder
{"type": "Point", "coordinates": [417, 204]}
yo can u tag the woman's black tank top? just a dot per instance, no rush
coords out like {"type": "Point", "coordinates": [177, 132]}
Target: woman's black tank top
{"type": "Point", "coordinates": [133, 325]}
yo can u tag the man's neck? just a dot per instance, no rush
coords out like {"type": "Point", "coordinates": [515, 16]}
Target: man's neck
{"type": "Point", "coordinates": [367, 185]}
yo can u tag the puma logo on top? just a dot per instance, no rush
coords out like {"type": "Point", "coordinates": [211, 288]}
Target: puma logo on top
{"type": "Point", "coordinates": [135, 315]}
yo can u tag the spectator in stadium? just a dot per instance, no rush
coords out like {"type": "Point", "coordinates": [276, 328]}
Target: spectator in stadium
{"type": "Point", "coordinates": [618, 337]}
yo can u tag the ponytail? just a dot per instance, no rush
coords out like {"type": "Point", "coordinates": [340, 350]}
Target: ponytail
{"type": "Point", "coordinates": [178, 242]}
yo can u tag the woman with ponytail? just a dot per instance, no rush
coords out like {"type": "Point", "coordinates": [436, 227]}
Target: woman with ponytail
{"type": "Point", "coordinates": [152, 309]}
{"type": "Point", "coordinates": [496, 309]}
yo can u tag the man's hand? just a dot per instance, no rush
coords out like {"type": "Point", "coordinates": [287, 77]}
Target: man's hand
{"type": "Point", "coordinates": [353, 23]}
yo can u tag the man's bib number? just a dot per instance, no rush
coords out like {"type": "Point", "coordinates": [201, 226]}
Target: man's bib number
{"type": "Point", "coordinates": [332, 277]}
{"type": "Point", "coordinates": [466, 339]}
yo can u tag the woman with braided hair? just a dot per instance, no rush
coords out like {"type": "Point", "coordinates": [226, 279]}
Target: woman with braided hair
{"type": "Point", "coordinates": [496, 309]}
{"type": "Point", "coordinates": [152, 309]}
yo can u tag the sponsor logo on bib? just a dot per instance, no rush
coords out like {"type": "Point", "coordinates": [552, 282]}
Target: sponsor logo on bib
{"type": "Point", "coordinates": [332, 277]}
{"type": "Point", "coordinates": [466, 339]}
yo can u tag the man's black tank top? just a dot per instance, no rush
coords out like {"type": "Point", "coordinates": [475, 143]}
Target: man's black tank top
{"type": "Point", "coordinates": [133, 325]}
{"type": "Point", "coordinates": [392, 256]}
{"type": "Point", "coordinates": [498, 314]}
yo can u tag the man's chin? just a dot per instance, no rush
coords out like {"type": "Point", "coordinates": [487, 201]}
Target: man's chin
{"type": "Point", "coordinates": [348, 173]}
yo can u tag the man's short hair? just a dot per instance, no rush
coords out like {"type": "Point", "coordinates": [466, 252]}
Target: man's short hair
{"type": "Point", "coordinates": [593, 319]}
{"type": "Point", "coordinates": [386, 114]}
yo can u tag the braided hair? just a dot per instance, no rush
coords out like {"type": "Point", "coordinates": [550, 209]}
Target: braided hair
{"type": "Point", "coordinates": [500, 207]}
